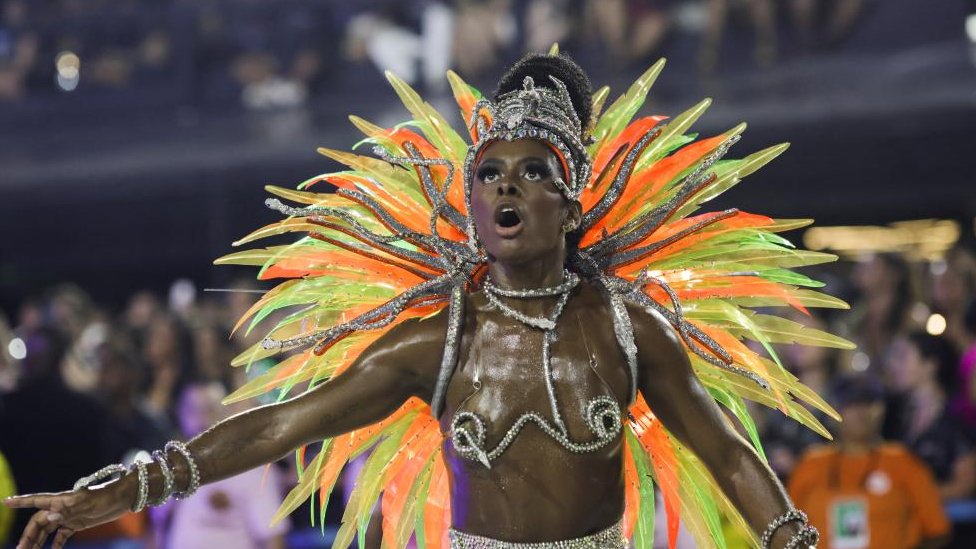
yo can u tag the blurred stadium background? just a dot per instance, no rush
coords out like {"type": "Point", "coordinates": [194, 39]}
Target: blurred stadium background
{"type": "Point", "coordinates": [137, 137]}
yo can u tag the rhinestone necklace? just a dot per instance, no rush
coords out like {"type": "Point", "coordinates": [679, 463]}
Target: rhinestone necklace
{"type": "Point", "coordinates": [570, 280]}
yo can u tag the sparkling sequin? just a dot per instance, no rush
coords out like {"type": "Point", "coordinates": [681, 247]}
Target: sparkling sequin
{"type": "Point", "coordinates": [169, 479]}
{"type": "Point", "coordinates": [538, 113]}
{"type": "Point", "coordinates": [610, 538]}
{"type": "Point", "coordinates": [620, 181]}
{"type": "Point", "coordinates": [806, 536]}
{"type": "Point", "coordinates": [190, 463]}
{"type": "Point", "coordinates": [452, 346]}
{"type": "Point", "coordinates": [101, 474]}
{"type": "Point", "coordinates": [644, 225]}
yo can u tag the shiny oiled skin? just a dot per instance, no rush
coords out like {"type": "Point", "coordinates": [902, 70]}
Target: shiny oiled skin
{"type": "Point", "coordinates": [536, 490]}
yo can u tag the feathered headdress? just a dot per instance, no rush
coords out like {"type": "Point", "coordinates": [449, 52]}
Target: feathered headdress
{"type": "Point", "coordinates": [389, 243]}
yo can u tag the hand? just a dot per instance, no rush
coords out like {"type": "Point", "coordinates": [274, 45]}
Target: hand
{"type": "Point", "coordinates": [68, 512]}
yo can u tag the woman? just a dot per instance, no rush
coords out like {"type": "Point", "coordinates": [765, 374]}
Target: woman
{"type": "Point", "coordinates": [952, 283]}
{"type": "Point", "coordinates": [886, 286]}
{"type": "Point", "coordinates": [168, 355]}
{"type": "Point", "coordinates": [922, 368]}
{"type": "Point", "coordinates": [526, 452]}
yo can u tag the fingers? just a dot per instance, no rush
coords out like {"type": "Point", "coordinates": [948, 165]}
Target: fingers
{"type": "Point", "coordinates": [30, 533]}
{"type": "Point", "coordinates": [28, 500]}
{"type": "Point", "coordinates": [46, 530]}
{"type": "Point", "coordinates": [62, 537]}
{"type": "Point", "coordinates": [37, 530]}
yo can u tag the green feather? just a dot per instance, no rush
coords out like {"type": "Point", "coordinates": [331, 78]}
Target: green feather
{"type": "Point", "coordinates": [303, 490]}
{"type": "Point", "coordinates": [436, 128]}
{"type": "Point", "coordinates": [413, 508]}
{"type": "Point", "coordinates": [620, 113]}
{"type": "Point", "coordinates": [644, 528]}
{"type": "Point", "coordinates": [737, 406]}
{"type": "Point", "coordinates": [423, 487]}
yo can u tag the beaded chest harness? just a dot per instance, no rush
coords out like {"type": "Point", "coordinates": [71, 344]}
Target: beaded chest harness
{"type": "Point", "coordinates": [602, 414]}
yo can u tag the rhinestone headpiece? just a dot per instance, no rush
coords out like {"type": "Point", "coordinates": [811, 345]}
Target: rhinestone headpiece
{"type": "Point", "coordinates": [534, 113]}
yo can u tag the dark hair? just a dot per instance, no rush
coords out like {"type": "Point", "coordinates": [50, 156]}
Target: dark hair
{"type": "Point", "coordinates": [941, 350]}
{"type": "Point", "coordinates": [184, 349]}
{"type": "Point", "coordinates": [46, 348]}
{"type": "Point", "coordinates": [120, 346]}
{"type": "Point", "coordinates": [540, 67]}
{"type": "Point", "coordinates": [857, 389]}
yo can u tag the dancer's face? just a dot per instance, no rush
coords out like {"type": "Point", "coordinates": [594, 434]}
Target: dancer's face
{"type": "Point", "coordinates": [518, 211]}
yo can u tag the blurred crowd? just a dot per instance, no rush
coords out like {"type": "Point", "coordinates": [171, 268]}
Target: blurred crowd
{"type": "Point", "coordinates": [902, 466]}
{"type": "Point", "coordinates": [278, 54]}
{"type": "Point", "coordinates": [84, 383]}
{"type": "Point", "coordinates": [81, 386]}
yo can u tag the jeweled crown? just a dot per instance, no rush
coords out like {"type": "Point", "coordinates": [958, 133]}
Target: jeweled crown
{"type": "Point", "coordinates": [534, 113]}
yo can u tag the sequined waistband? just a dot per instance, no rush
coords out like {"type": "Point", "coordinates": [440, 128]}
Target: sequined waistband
{"type": "Point", "coordinates": [611, 538]}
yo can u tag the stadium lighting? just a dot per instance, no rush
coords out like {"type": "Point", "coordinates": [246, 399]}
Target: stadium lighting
{"type": "Point", "coordinates": [68, 66]}
{"type": "Point", "coordinates": [936, 324]}
{"type": "Point", "coordinates": [17, 348]}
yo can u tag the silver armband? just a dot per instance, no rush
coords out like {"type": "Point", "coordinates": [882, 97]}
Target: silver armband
{"type": "Point", "coordinates": [101, 474]}
{"type": "Point", "coordinates": [191, 464]}
{"type": "Point", "coordinates": [143, 495]}
{"type": "Point", "coordinates": [806, 538]}
{"type": "Point", "coordinates": [791, 515]}
{"type": "Point", "coordinates": [169, 480]}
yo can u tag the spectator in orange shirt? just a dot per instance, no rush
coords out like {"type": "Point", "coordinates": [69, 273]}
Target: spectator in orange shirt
{"type": "Point", "coordinates": [863, 493]}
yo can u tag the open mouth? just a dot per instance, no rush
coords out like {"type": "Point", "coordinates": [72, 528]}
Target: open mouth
{"type": "Point", "coordinates": [508, 222]}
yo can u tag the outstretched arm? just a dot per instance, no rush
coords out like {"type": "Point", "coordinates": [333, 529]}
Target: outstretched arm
{"type": "Point", "coordinates": [400, 364]}
{"type": "Point", "coordinates": [678, 398]}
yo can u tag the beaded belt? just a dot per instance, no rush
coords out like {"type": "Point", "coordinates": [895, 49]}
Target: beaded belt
{"type": "Point", "coordinates": [611, 538]}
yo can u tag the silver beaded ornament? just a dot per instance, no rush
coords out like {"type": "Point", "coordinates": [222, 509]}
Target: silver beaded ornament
{"type": "Point", "coordinates": [610, 538]}
{"type": "Point", "coordinates": [602, 414]}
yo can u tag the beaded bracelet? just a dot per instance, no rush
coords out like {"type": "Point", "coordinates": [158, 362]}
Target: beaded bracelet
{"type": "Point", "coordinates": [194, 471]}
{"type": "Point", "coordinates": [807, 537]}
{"type": "Point", "coordinates": [143, 496]}
{"type": "Point", "coordinates": [791, 515]}
{"type": "Point", "coordinates": [169, 480]}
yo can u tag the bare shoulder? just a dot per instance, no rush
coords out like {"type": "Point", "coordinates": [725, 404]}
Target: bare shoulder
{"type": "Point", "coordinates": [653, 331]}
{"type": "Point", "coordinates": [413, 348]}
{"type": "Point", "coordinates": [424, 330]}
{"type": "Point", "coordinates": [668, 382]}
{"type": "Point", "coordinates": [662, 358]}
